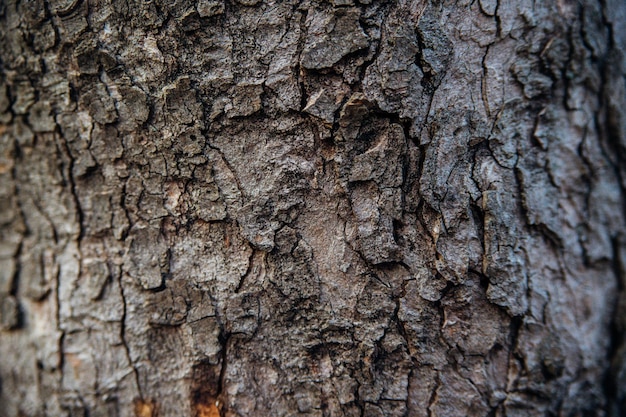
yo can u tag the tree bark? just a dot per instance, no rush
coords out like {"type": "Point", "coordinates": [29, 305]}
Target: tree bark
{"type": "Point", "coordinates": [344, 208]}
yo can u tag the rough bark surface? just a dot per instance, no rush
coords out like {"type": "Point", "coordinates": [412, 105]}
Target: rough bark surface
{"type": "Point", "coordinates": [344, 208]}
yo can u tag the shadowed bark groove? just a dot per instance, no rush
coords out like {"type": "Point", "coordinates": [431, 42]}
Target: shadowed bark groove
{"type": "Point", "coordinates": [319, 208]}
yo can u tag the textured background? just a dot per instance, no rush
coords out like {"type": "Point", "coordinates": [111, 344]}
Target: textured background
{"type": "Point", "coordinates": [257, 208]}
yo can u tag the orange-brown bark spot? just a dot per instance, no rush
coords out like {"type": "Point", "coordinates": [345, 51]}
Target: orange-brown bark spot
{"type": "Point", "coordinates": [208, 409]}
{"type": "Point", "coordinates": [144, 408]}
{"type": "Point", "coordinates": [206, 389]}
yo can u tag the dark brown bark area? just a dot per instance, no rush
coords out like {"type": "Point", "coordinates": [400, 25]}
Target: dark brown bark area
{"type": "Point", "coordinates": [344, 208]}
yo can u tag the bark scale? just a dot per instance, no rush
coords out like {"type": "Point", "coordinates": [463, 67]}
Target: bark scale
{"type": "Point", "coordinates": [344, 208]}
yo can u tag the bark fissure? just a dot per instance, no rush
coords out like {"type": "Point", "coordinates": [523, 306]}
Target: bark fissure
{"type": "Point", "coordinates": [122, 330]}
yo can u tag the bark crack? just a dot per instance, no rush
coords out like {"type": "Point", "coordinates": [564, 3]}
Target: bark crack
{"type": "Point", "coordinates": [125, 341]}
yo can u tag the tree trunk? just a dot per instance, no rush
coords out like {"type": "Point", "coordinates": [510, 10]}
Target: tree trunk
{"type": "Point", "coordinates": [344, 208]}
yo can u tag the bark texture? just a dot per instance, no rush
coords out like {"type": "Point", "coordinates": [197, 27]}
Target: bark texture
{"type": "Point", "coordinates": [318, 208]}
